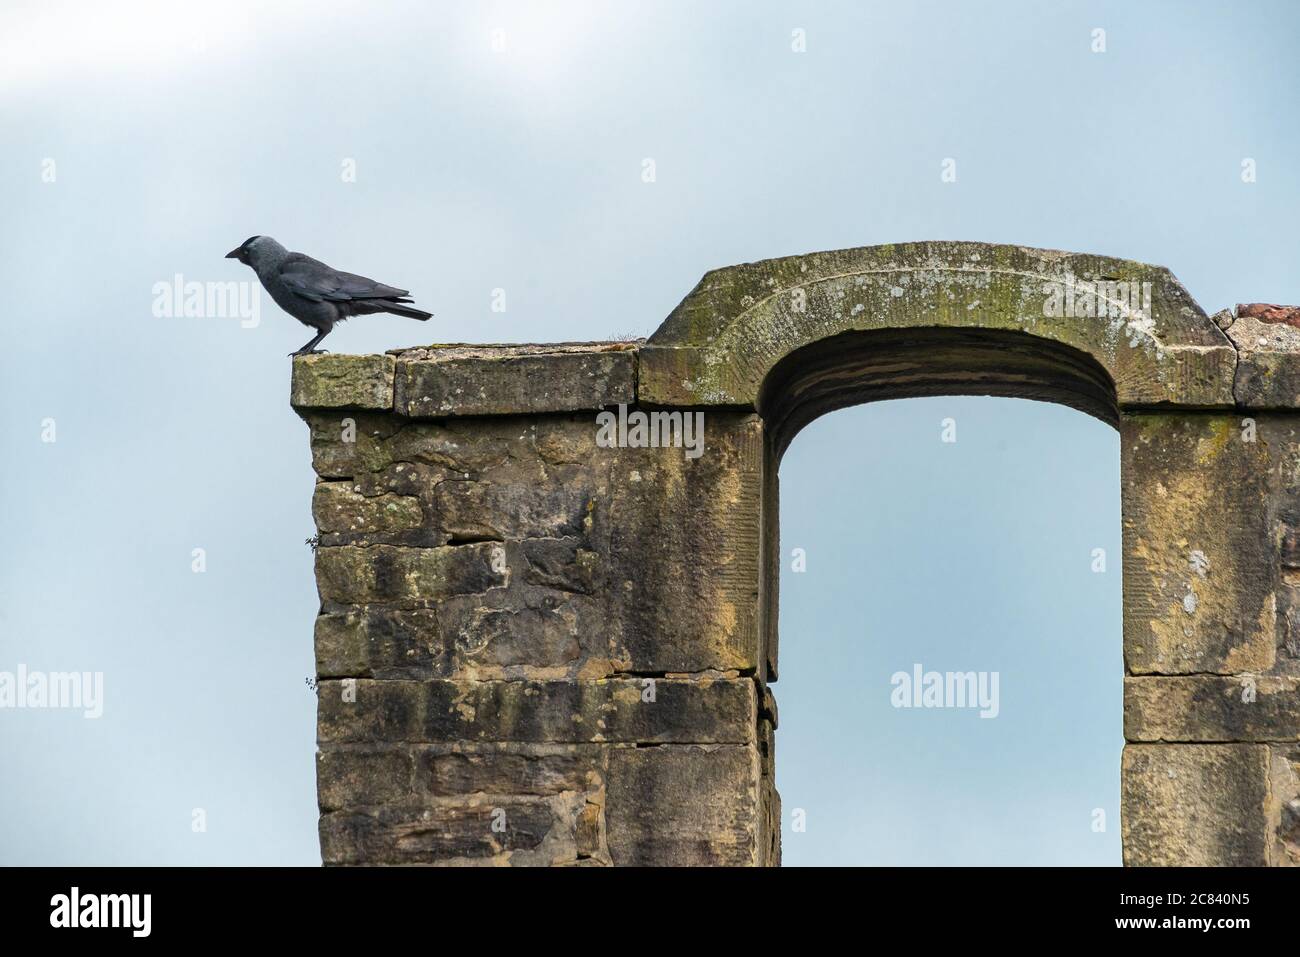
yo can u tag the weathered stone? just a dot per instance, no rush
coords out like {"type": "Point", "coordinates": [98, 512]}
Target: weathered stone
{"type": "Point", "coordinates": [561, 563]}
{"type": "Point", "coordinates": [467, 448]}
{"type": "Point", "coordinates": [1212, 708]}
{"type": "Point", "coordinates": [512, 380]}
{"type": "Point", "coordinates": [365, 776]}
{"type": "Point", "coordinates": [1284, 805]}
{"type": "Point", "coordinates": [1290, 549]}
{"type": "Point", "coordinates": [613, 710]}
{"type": "Point", "coordinates": [771, 820]}
{"type": "Point", "coordinates": [767, 745]}
{"type": "Point", "coordinates": [347, 444]}
{"type": "Point", "coordinates": [588, 834]}
{"type": "Point", "coordinates": [535, 633]}
{"type": "Point", "coordinates": [513, 632]}
{"type": "Point", "coordinates": [380, 642]}
{"type": "Point", "coordinates": [450, 785]}
{"type": "Point", "coordinates": [342, 382]}
{"type": "Point", "coordinates": [442, 834]}
{"type": "Point", "coordinates": [492, 509]}
{"type": "Point", "coordinates": [565, 440]}
{"type": "Point", "coordinates": [1269, 313]}
{"type": "Point", "coordinates": [337, 508]}
{"type": "Point", "coordinates": [387, 573]}
{"type": "Point", "coordinates": [527, 770]}
{"type": "Point", "coordinates": [683, 806]}
{"type": "Point", "coordinates": [502, 483]}
{"type": "Point", "coordinates": [1195, 805]}
{"type": "Point", "coordinates": [1288, 625]}
{"type": "Point", "coordinates": [718, 346]}
{"type": "Point", "coordinates": [1268, 366]}
{"type": "Point", "coordinates": [342, 645]}
{"type": "Point", "coordinates": [1199, 564]}
{"type": "Point", "coordinates": [684, 556]}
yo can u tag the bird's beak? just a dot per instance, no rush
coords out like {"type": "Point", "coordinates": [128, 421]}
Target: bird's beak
{"type": "Point", "coordinates": [234, 253]}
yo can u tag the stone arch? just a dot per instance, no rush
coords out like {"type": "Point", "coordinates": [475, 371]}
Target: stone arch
{"type": "Point", "coordinates": [517, 617]}
{"type": "Point", "coordinates": [1136, 321]}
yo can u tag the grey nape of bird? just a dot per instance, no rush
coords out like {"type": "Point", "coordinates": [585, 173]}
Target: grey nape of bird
{"type": "Point", "coordinates": [315, 294]}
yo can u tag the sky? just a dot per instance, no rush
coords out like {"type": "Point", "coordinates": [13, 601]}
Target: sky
{"type": "Point", "coordinates": [582, 165]}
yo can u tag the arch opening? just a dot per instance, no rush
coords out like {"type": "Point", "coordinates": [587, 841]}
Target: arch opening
{"type": "Point", "coordinates": [855, 367]}
{"type": "Point", "coordinates": [972, 558]}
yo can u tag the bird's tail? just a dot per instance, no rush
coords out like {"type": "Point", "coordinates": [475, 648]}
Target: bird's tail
{"type": "Point", "coordinates": [401, 309]}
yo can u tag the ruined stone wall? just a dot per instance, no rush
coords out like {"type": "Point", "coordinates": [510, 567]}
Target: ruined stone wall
{"type": "Point", "coordinates": [1212, 644]}
{"type": "Point", "coordinates": [511, 664]}
{"type": "Point", "coordinates": [1212, 686]}
{"type": "Point", "coordinates": [534, 649]}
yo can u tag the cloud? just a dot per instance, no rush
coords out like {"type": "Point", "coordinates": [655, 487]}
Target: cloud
{"type": "Point", "coordinates": [58, 42]}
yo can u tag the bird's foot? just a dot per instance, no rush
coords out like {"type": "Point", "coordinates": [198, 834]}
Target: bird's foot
{"type": "Point", "coordinates": [309, 352]}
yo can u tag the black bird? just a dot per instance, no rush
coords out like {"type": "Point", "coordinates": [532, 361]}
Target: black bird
{"type": "Point", "coordinates": [315, 294]}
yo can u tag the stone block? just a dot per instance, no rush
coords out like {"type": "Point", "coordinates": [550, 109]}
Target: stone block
{"type": "Point", "coordinates": [1284, 805]}
{"type": "Point", "coordinates": [513, 380]}
{"type": "Point", "coordinates": [683, 806]}
{"type": "Point", "coordinates": [1212, 708]}
{"type": "Point", "coordinates": [1195, 805]}
{"type": "Point", "coordinates": [365, 776]}
{"type": "Point", "coordinates": [342, 382]}
{"type": "Point", "coordinates": [522, 630]}
{"type": "Point", "coordinates": [602, 710]}
{"type": "Point", "coordinates": [535, 770]}
{"type": "Point", "coordinates": [355, 575]}
{"type": "Point", "coordinates": [1200, 566]}
{"type": "Point", "coordinates": [503, 833]}
{"type": "Point", "coordinates": [346, 444]}
{"type": "Point", "coordinates": [683, 578]}
{"type": "Point", "coordinates": [337, 507]}
{"type": "Point", "coordinates": [1268, 365]}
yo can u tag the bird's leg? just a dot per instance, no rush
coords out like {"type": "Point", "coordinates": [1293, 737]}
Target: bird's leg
{"type": "Point", "coordinates": [310, 349]}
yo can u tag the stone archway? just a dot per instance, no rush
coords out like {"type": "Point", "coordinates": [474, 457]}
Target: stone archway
{"type": "Point", "coordinates": [540, 646]}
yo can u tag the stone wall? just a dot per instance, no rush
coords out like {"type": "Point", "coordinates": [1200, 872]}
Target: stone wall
{"type": "Point", "coordinates": [503, 600]}
{"type": "Point", "coordinates": [536, 649]}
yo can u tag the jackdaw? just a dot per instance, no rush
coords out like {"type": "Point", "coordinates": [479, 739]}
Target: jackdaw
{"type": "Point", "coordinates": [315, 294]}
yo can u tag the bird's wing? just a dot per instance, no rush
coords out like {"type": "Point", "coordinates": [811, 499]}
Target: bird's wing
{"type": "Point", "coordinates": [316, 281]}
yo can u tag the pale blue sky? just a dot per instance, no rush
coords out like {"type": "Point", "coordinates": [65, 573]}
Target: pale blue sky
{"type": "Point", "coordinates": [178, 130]}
